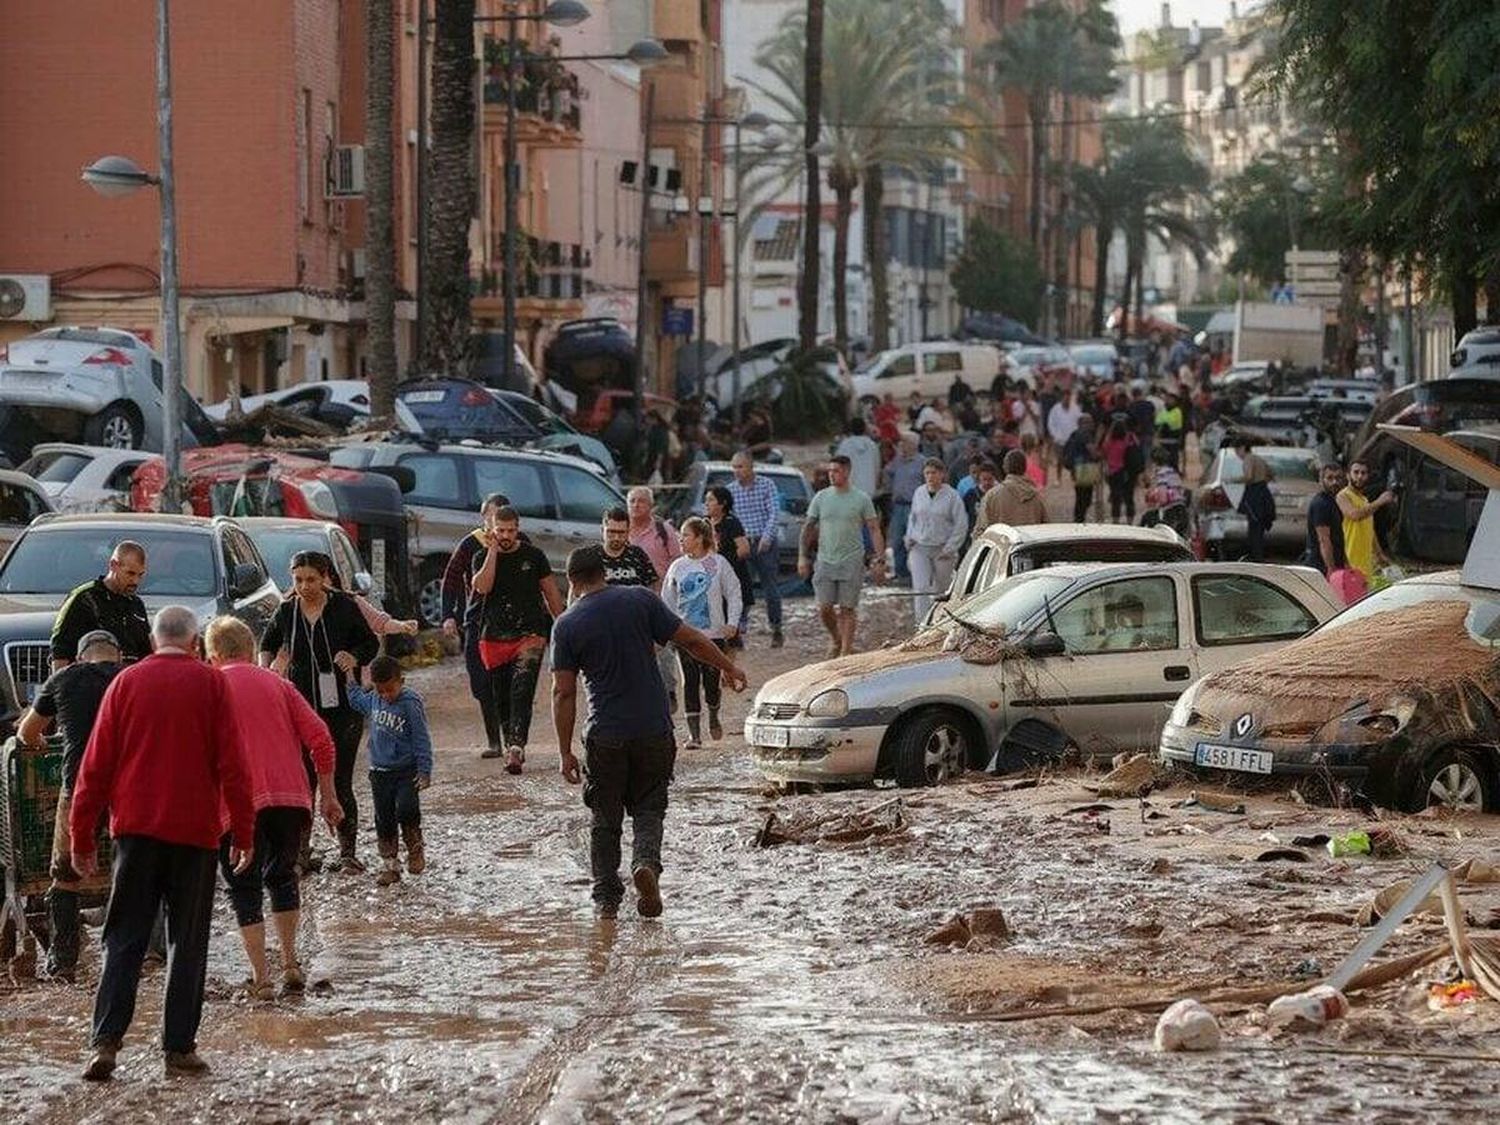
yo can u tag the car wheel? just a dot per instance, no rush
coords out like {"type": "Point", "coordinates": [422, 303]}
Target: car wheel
{"type": "Point", "coordinates": [114, 427]}
{"type": "Point", "coordinates": [430, 593]}
{"type": "Point", "coordinates": [1456, 780]}
{"type": "Point", "coordinates": [929, 748]}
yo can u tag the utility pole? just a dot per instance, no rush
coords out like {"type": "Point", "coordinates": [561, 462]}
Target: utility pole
{"type": "Point", "coordinates": [512, 191]}
{"type": "Point", "coordinates": [734, 330]}
{"type": "Point", "coordinates": [640, 281]}
{"type": "Point", "coordinates": [171, 390]}
{"type": "Point", "coordinates": [704, 214]}
{"type": "Point", "coordinates": [423, 298]}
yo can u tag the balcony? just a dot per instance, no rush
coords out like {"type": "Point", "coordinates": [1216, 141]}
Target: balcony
{"type": "Point", "coordinates": [551, 280]}
{"type": "Point", "coordinates": [548, 106]}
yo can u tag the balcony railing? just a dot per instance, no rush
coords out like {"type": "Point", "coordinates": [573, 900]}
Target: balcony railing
{"type": "Point", "coordinates": [549, 271]}
{"type": "Point", "coordinates": [545, 88]}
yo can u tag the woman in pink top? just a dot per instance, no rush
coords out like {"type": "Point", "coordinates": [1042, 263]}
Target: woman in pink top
{"type": "Point", "coordinates": [275, 723]}
{"type": "Point", "coordinates": [1121, 467]}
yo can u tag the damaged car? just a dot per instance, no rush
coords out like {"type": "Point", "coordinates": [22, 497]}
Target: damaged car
{"type": "Point", "coordinates": [1396, 699]}
{"type": "Point", "coordinates": [1088, 656]}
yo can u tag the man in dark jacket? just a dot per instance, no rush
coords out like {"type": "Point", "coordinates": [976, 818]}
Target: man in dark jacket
{"type": "Point", "coordinates": [109, 602]}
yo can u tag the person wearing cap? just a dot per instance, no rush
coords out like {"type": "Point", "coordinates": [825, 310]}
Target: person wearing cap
{"type": "Point", "coordinates": [108, 602]}
{"type": "Point", "coordinates": [68, 703]}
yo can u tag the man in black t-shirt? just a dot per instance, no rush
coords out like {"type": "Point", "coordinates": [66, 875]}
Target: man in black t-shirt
{"type": "Point", "coordinates": [625, 564]}
{"type": "Point", "coordinates": [519, 598]}
{"type": "Point", "coordinates": [69, 701]}
{"type": "Point", "coordinates": [1325, 523]}
{"type": "Point", "coordinates": [110, 603]}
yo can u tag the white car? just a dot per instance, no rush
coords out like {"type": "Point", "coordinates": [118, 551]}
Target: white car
{"type": "Point", "coordinates": [1087, 656]}
{"type": "Point", "coordinates": [347, 397]}
{"type": "Point", "coordinates": [85, 478]}
{"type": "Point", "coordinates": [1094, 357]}
{"type": "Point", "coordinates": [1477, 355]}
{"type": "Point", "coordinates": [927, 369]}
{"type": "Point", "coordinates": [1028, 364]}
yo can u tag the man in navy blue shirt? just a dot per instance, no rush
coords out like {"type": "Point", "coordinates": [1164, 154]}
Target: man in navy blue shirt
{"type": "Point", "coordinates": [610, 634]}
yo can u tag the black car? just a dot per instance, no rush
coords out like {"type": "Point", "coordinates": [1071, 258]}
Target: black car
{"type": "Point", "coordinates": [211, 565]}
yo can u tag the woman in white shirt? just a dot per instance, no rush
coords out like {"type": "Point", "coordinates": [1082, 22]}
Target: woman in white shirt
{"type": "Point", "coordinates": [934, 533]}
{"type": "Point", "coordinates": [701, 588]}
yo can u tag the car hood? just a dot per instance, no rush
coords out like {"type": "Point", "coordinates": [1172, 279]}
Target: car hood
{"type": "Point", "coordinates": [1349, 672]}
{"type": "Point", "coordinates": [37, 611]}
{"type": "Point", "coordinates": [801, 685]}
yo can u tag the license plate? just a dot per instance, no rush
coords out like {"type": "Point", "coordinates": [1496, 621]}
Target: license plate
{"type": "Point", "coordinates": [771, 736]}
{"type": "Point", "coordinates": [1232, 758]}
{"type": "Point", "coordinates": [424, 396]}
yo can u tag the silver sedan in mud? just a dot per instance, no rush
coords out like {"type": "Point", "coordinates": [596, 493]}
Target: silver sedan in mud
{"type": "Point", "coordinates": [1087, 656]}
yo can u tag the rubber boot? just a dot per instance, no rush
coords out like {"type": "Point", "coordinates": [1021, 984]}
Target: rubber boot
{"type": "Point", "coordinates": [62, 950]}
{"type": "Point", "coordinates": [715, 728]}
{"type": "Point", "coordinates": [416, 849]}
{"type": "Point", "coordinates": [390, 864]}
{"type": "Point", "coordinates": [695, 731]}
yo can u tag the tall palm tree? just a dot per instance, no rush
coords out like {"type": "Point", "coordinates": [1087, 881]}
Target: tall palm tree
{"type": "Point", "coordinates": [883, 82]}
{"type": "Point", "coordinates": [380, 236]}
{"type": "Point", "coordinates": [812, 85]}
{"type": "Point", "coordinates": [451, 188]}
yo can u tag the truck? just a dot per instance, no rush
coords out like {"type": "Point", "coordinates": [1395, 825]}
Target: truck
{"type": "Point", "coordinates": [1284, 334]}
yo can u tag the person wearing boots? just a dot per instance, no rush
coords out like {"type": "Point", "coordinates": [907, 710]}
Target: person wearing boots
{"type": "Point", "coordinates": [69, 702]}
{"type": "Point", "coordinates": [703, 590]}
{"type": "Point", "coordinates": [275, 723]}
{"type": "Point", "coordinates": [400, 765]}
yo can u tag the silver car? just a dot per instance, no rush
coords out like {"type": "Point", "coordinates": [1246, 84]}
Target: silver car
{"type": "Point", "coordinates": [1086, 656]}
{"type": "Point", "coordinates": [1217, 499]}
{"type": "Point", "coordinates": [98, 383]}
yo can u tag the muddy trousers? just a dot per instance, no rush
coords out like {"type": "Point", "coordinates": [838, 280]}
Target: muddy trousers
{"type": "Point", "coordinates": [393, 794]}
{"type": "Point", "coordinates": [694, 674]}
{"type": "Point", "coordinates": [512, 690]}
{"type": "Point", "coordinates": [149, 873]}
{"type": "Point", "coordinates": [620, 776]}
{"type": "Point", "coordinates": [347, 728]}
{"type": "Point", "coordinates": [479, 688]}
{"type": "Point", "coordinates": [273, 869]}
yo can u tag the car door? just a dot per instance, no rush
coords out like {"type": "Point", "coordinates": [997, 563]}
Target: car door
{"type": "Point", "coordinates": [582, 500]}
{"type": "Point", "coordinates": [258, 605]}
{"type": "Point", "coordinates": [939, 366]}
{"type": "Point", "coordinates": [1237, 616]}
{"type": "Point", "coordinates": [1127, 657]}
{"type": "Point", "coordinates": [440, 505]}
{"type": "Point", "coordinates": [524, 483]}
{"type": "Point", "coordinates": [899, 377]}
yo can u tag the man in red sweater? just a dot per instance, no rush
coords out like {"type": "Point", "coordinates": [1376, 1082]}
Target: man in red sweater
{"type": "Point", "coordinates": [165, 750]}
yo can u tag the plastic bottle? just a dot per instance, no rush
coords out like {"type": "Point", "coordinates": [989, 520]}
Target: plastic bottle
{"type": "Point", "coordinates": [1316, 1006]}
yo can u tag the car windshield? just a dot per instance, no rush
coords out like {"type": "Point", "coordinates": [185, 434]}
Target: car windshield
{"type": "Point", "coordinates": [54, 560]}
{"type": "Point", "coordinates": [54, 468]}
{"type": "Point", "coordinates": [1482, 620]}
{"type": "Point", "coordinates": [1006, 606]}
{"type": "Point", "coordinates": [1286, 465]}
{"type": "Point", "coordinates": [279, 545]}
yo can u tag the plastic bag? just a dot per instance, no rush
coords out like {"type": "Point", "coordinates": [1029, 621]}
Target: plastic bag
{"type": "Point", "coordinates": [1187, 1026]}
{"type": "Point", "coordinates": [1349, 584]}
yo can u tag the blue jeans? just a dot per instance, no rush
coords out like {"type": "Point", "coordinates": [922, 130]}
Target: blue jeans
{"type": "Point", "coordinates": [896, 537]}
{"type": "Point", "coordinates": [766, 566]}
{"type": "Point", "coordinates": [397, 806]}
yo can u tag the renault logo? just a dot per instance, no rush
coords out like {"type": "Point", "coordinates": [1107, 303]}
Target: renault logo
{"type": "Point", "coordinates": [1243, 724]}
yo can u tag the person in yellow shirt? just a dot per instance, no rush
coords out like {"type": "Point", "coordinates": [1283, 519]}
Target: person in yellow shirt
{"type": "Point", "coordinates": [1360, 545]}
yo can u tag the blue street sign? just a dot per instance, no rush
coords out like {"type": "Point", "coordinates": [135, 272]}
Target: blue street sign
{"type": "Point", "coordinates": [677, 320]}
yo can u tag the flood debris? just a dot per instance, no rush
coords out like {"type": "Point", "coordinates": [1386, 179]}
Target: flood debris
{"type": "Point", "coordinates": [1187, 1026]}
{"type": "Point", "coordinates": [1314, 1007]}
{"type": "Point", "coordinates": [1134, 777]}
{"type": "Point", "coordinates": [980, 928]}
{"type": "Point", "coordinates": [885, 818]}
{"type": "Point", "coordinates": [1211, 802]}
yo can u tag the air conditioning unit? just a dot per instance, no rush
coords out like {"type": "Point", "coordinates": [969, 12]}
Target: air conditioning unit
{"type": "Point", "coordinates": [346, 171]}
{"type": "Point", "coordinates": [25, 296]}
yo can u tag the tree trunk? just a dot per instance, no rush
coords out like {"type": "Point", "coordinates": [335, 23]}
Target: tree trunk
{"type": "Point", "coordinates": [877, 260]}
{"type": "Point", "coordinates": [451, 191]}
{"type": "Point", "coordinates": [1138, 268]}
{"type": "Point", "coordinates": [1351, 281]}
{"type": "Point", "coordinates": [1103, 233]}
{"type": "Point", "coordinates": [1465, 299]}
{"type": "Point", "coordinates": [1492, 297]}
{"type": "Point", "coordinates": [843, 183]}
{"type": "Point", "coordinates": [812, 79]}
{"type": "Point", "coordinates": [1124, 298]}
{"type": "Point", "coordinates": [380, 236]}
{"type": "Point", "coordinates": [1061, 233]}
{"type": "Point", "coordinates": [1036, 111]}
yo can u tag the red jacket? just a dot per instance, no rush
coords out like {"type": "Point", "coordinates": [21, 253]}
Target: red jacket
{"type": "Point", "coordinates": [275, 723]}
{"type": "Point", "coordinates": [164, 750]}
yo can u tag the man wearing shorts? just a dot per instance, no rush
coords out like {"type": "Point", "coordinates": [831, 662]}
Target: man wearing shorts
{"type": "Point", "coordinates": [838, 518]}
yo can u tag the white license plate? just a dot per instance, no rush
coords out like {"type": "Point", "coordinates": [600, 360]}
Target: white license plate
{"type": "Point", "coordinates": [424, 396]}
{"type": "Point", "coordinates": [1232, 758]}
{"type": "Point", "coordinates": [771, 736]}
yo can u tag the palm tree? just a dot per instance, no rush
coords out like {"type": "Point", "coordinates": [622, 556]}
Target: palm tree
{"type": "Point", "coordinates": [451, 188]}
{"type": "Point", "coordinates": [812, 85]}
{"type": "Point", "coordinates": [884, 77]}
{"type": "Point", "coordinates": [380, 236]}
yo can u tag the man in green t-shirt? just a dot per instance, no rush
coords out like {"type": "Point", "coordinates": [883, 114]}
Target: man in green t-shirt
{"type": "Point", "coordinates": [842, 520]}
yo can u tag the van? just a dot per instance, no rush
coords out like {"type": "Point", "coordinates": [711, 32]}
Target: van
{"type": "Point", "coordinates": [927, 369]}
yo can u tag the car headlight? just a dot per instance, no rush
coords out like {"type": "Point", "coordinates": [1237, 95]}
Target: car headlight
{"type": "Point", "coordinates": [832, 704]}
{"type": "Point", "coordinates": [1182, 710]}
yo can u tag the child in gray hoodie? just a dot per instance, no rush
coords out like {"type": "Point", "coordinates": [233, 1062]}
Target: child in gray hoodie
{"type": "Point", "coordinates": [400, 764]}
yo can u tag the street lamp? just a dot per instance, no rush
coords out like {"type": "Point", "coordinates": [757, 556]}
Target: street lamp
{"type": "Point", "coordinates": [117, 176]}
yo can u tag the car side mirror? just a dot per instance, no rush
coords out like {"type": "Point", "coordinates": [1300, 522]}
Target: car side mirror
{"type": "Point", "coordinates": [1044, 644]}
{"type": "Point", "coordinates": [363, 583]}
{"type": "Point", "coordinates": [247, 579]}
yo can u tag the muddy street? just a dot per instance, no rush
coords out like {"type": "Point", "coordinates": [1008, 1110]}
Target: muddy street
{"type": "Point", "coordinates": [795, 982]}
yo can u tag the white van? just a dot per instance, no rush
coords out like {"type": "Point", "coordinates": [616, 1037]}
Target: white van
{"type": "Point", "coordinates": [926, 368]}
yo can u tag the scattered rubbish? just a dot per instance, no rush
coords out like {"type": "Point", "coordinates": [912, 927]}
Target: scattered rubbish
{"type": "Point", "coordinates": [1335, 917]}
{"type": "Point", "coordinates": [1380, 842]}
{"type": "Point", "coordinates": [955, 931]}
{"type": "Point", "coordinates": [1386, 899]}
{"type": "Point", "coordinates": [981, 926]}
{"type": "Point", "coordinates": [1161, 865]}
{"type": "Point", "coordinates": [1088, 809]}
{"type": "Point", "coordinates": [1020, 783]}
{"type": "Point", "coordinates": [1270, 838]}
{"type": "Point", "coordinates": [1442, 996]}
{"type": "Point", "coordinates": [1134, 777]}
{"type": "Point", "coordinates": [1476, 871]}
{"type": "Point", "coordinates": [988, 921]}
{"type": "Point", "coordinates": [1315, 1007]}
{"type": "Point", "coordinates": [1271, 855]}
{"type": "Point", "coordinates": [1210, 802]}
{"type": "Point", "coordinates": [1187, 1026]}
{"type": "Point", "coordinates": [1307, 969]}
{"type": "Point", "coordinates": [884, 818]}
{"type": "Point", "coordinates": [1351, 843]}
{"type": "Point", "coordinates": [1146, 928]}
{"type": "Point", "coordinates": [1315, 841]}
